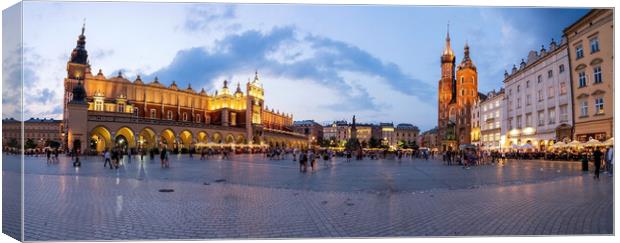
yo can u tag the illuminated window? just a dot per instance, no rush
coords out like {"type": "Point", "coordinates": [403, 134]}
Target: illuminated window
{"type": "Point", "coordinates": [563, 88]}
{"type": "Point", "coordinates": [198, 119]}
{"type": "Point", "coordinates": [184, 116]}
{"type": "Point", "coordinates": [120, 107]}
{"type": "Point", "coordinates": [598, 105]}
{"type": "Point", "coordinates": [169, 115]}
{"type": "Point", "coordinates": [99, 105]}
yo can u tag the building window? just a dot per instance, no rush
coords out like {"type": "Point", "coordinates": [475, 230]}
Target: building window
{"type": "Point", "coordinates": [539, 78]}
{"type": "Point", "coordinates": [519, 102]}
{"type": "Point", "coordinates": [462, 91]}
{"type": "Point", "coordinates": [519, 122]}
{"type": "Point", "coordinates": [540, 95]}
{"type": "Point", "coordinates": [550, 74]}
{"type": "Point", "coordinates": [552, 116]}
{"type": "Point", "coordinates": [598, 105]}
{"type": "Point", "coordinates": [120, 107]}
{"type": "Point", "coordinates": [527, 84]}
{"type": "Point", "coordinates": [528, 120]}
{"type": "Point", "coordinates": [184, 116]}
{"type": "Point", "coordinates": [598, 76]}
{"type": "Point", "coordinates": [579, 51]}
{"type": "Point", "coordinates": [169, 115]}
{"type": "Point", "coordinates": [510, 123]}
{"type": "Point", "coordinates": [518, 88]}
{"type": "Point", "coordinates": [153, 114]}
{"type": "Point", "coordinates": [561, 68]}
{"type": "Point", "coordinates": [136, 112]}
{"type": "Point", "coordinates": [99, 105]}
{"type": "Point", "coordinates": [582, 79]}
{"type": "Point", "coordinates": [584, 108]}
{"type": "Point", "coordinates": [462, 79]}
{"type": "Point", "coordinates": [528, 100]}
{"type": "Point", "coordinates": [198, 119]}
{"type": "Point", "coordinates": [551, 92]}
{"type": "Point", "coordinates": [564, 113]}
{"type": "Point", "coordinates": [563, 88]}
{"type": "Point", "coordinates": [541, 118]}
{"type": "Point", "coordinates": [594, 45]}
{"type": "Point", "coordinates": [496, 113]}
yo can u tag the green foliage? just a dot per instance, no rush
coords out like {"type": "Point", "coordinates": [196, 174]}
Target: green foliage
{"type": "Point", "coordinates": [30, 144]}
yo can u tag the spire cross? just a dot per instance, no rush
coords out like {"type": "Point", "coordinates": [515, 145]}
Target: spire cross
{"type": "Point", "coordinates": [83, 25]}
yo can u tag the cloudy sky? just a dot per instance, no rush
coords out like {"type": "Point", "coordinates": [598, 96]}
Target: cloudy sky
{"type": "Point", "coordinates": [317, 62]}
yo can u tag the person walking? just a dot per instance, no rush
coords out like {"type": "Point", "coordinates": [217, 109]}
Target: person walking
{"type": "Point", "coordinates": [107, 159]}
{"type": "Point", "coordinates": [609, 157]}
{"type": "Point", "coordinates": [597, 154]}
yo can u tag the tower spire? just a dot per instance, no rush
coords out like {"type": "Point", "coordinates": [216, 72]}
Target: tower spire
{"type": "Point", "coordinates": [83, 25]}
{"type": "Point", "coordinates": [447, 51]}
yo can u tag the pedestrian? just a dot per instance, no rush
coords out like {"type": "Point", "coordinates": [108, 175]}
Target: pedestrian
{"type": "Point", "coordinates": [48, 152]}
{"type": "Point", "coordinates": [597, 154]}
{"type": "Point", "coordinates": [609, 156]}
{"type": "Point", "coordinates": [162, 157]}
{"type": "Point", "coordinates": [107, 159]}
{"type": "Point", "coordinates": [325, 158]}
{"type": "Point", "coordinates": [302, 161]}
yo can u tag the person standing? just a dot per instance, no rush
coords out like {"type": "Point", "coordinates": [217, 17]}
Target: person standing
{"type": "Point", "coordinates": [609, 157]}
{"type": "Point", "coordinates": [597, 154]}
{"type": "Point", "coordinates": [107, 159]}
{"type": "Point", "coordinates": [162, 157]}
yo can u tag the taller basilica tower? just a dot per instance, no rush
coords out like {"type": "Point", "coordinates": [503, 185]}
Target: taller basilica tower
{"type": "Point", "coordinates": [456, 95]}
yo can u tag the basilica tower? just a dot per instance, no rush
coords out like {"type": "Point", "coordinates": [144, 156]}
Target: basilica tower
{"type": "Point", "coordinates": [446, 91]}
{"type": "Point", "coordinates": [467, 93]}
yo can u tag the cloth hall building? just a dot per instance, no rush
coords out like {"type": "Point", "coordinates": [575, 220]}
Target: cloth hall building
{"type": "Point", "coordinates": [102, 112]}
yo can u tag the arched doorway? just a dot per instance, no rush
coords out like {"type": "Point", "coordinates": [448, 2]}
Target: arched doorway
{"type": "Point", "coordinates": [217, 137]}
{"type": "Point", "coordinates": [146, 138]}
{"type": "Point", "coordinates": [100, 139]}
{"type": "Point", "coordinates": [229, 139]}
{"type": "Point", "coordinates": [167, 139]}
{"type": "Point", "coordinates": [203, 137]}
{"type": "Point", "coordinates": [128, 139]}
{"type": "Point", "coordinates": [240, 139]}
{"type": "Point", "coordinates": [186, 139]}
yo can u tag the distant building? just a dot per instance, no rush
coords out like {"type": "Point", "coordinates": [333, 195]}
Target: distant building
{"type": "Point", "coordinates": [429, 139]}
{"type": "Point", "coordinates": [312, 130]}
{"type": "Point", "coordinates": [475, 120]}
{"type": "Point", "coordinates": [338, 131]}
{"type": "Point", "coordinates": [40, 131]}
{"type": "Point", "coordinates": [591, 52]}
{"type": "Point", "coordinates": [406, 132]}
{"type": "Point", "coordinates": [387, 134]}
{"type": "Point", "coordinates": [490, 120]}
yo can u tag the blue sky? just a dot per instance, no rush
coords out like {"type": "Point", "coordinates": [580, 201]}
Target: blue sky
{"type": "Point", "coordinates": [318, 62]}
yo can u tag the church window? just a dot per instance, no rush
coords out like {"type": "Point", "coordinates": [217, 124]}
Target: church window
{"type": "Point", "coordinates": [462, 79]}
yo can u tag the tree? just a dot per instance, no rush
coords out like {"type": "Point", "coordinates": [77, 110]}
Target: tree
{"type": "Point", "coordinates": [30, 144]}
{"type": "Point", "coordinates": [374, 143]}
{"type": "Point", "coordinates": [13, 143]}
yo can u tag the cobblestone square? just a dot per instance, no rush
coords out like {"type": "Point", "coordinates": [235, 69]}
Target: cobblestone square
{"type": "Point", "coordinates": [250, 196]}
